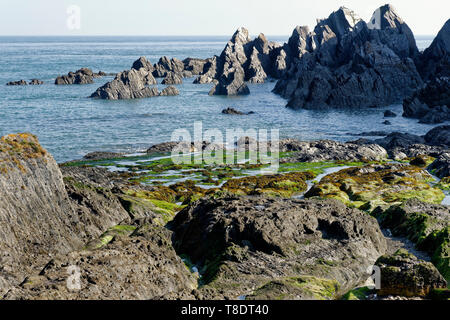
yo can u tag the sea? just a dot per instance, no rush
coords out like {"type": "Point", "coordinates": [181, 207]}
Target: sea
{"type": "Point", "coordinates": [70, 125]}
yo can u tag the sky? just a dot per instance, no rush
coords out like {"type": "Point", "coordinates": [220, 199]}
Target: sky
{"type": "Point", "coordinates": [198, 17]}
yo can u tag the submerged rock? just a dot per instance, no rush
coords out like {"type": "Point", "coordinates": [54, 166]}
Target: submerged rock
{"type": "Point", "coordinates": [244, 243]}
{"type": "Point", "coordinates": [235, 112]}
{"type": "Point", "coordinates": [403, 274]}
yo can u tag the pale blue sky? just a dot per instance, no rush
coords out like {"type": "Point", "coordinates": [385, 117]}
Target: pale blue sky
{"type": "Point", "coordinates": [200, 17]}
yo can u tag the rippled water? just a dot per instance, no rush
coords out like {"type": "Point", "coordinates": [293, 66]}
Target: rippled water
{"type": "Point", "coordinates": [70, 125]}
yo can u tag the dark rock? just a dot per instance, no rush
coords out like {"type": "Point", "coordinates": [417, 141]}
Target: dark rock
{"type": "Point", "coordinates": [345, 63]}
{"type": "Point", "coordinates": [195, 66]}
{"type": "Point", "coordinates": [17, 83]}
{"type": "Point", "coordinates": [439, 136]}
{"type": "Point", "coordinates": [166, 65]}
{"type": "Point", "coordinates": [36, 82]}
{"type": "Point", "coordinates": [172, 78]}
{"type": "Point", "coordinates": [81, 76]}
{"type": "Point", "coordinates": [435, 61]}
{"type": "Point", "coordinates": [100, 155]}
{"type": "Point", "coordinates": [405, 275]}
{"type": "Point", "coordinates": [441, 166]}
{"type": "Point", "coordinates": [235, 112]}
{"type": "Point", "coordinates": [231, 83]}
{"type": "Point", "coordinates": [430, 104]}
{"type": "Point", "coordinates": [389, 114]}
{"type": "Point", "coordinates": [398, 139]}
{"type": "Point", "coordinates": [327, 150]}
{"type": "Point", "coordinates": [169, 91]}
{"type": "Point", "coordinates": [387, 123]}
{"type": "Point", "coordinates": [129, 84]}
{"type": "Point", "coordinates": [245, 242]}
{"type": "Point", "coordinates": [143, 63]}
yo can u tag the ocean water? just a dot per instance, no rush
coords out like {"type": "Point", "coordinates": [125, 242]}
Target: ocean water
{"type": "Point", "coordinates": [69, 124]}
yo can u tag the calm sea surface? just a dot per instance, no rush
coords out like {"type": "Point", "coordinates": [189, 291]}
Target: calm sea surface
{"type": "Point", "coordinates": [70, 125]}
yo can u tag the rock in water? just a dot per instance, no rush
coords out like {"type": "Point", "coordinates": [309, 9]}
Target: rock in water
{"type": "Point", "coordinates": [169, 91]}
{"type": "Point", "coordinates": [129, 84]}
{"type": "Point", "coordinates": [346, 63]}
{"type": "Point", "coordinates": [17, 83]}
{"type": "Point", "coordinates": [389, 114]}
{"type": "Point", "coordinates": [166, 65]}
{"type": "Point", "coordinates": [430, 104]}
{"type": "Point", "coordinates": [172, 78]}
{"type": "Point", "coordinates": [81, 76]}
{"type": "Point", "coordinates": [231, 83]}
{"type": "Point", "coordinates": [36, 82]}
{"type": "Point", "coordinates": [435, 61]}
{"type": "Point", "coordinates": [441, 166]}
{"type": "Point", "coordinates": [404, 275]}
{"type": "Point", "coordinates": [244, 243]}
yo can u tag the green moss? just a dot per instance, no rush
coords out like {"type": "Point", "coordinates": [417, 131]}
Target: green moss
{"type": "Point", "coordinates": [110, 235]}
{"type": "Point", "coordinates": [357, 294]}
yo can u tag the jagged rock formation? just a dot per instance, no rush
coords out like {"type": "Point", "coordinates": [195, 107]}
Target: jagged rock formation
{"type": "Point", "coordinates": [81, 76]}
{"type": "Point", "coordinates": [243, 243]}
{"type": "Point", "coordinates": [172, 78]}
{"type": "Point", "coordinates": [135, 83]}
{"type": "Point", "coordinates": [345, 62]}
{"type": "Point", "coordinates": [435, 61]}
{"type": "Point", "coordinates": [430, 104]}
{"type": "Point", "coordinates": [441, 166]}
{"type": "Point", "coordinates": [166, 65]}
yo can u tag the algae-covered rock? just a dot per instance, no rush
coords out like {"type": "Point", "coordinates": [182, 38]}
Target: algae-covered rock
{"type": "Point", "coordinates": [377, 185]}
{"type": "Point", "coordinates": [404, 274]}
{"type": "Point", "coordinates": [241, 244]}
{"type": "Point", "coordinates": [427, 225]}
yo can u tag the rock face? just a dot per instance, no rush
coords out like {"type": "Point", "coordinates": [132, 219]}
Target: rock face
{"type": "Point", "coordinates": [169, 91]}
{"type": "Point", "coordinates": [430, 104]}
{"type": "Point", "coordinates": [166, 65]}
{"type": "Point", "coordinates": [172, 78]}
{"type": "Point", "coordinates": [435, 61]}
{"type": "Point", "coordinates": [81, 76]}
{"type": "Point", "coordinates": [244, 243]}
{"type": "Point", "coordinates": [30, 178]}
{"type": "Point", "coordinates": [345, 63]}
{"type": "Point", "coordinates": [404, 275]}
{"type": "Point", "coordinates": [327, 150]}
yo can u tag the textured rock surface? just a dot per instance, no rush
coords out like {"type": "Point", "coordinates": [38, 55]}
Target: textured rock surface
{"type": "Point", "coordinates": [17, 83]}
{"type": "Point", "coordinates": [435, 61]}
{"type": "Point", "coordinates": [404, 275]}
{"type": "Point", "coordinates": [172, 78]}
{"type": "Point", "coordinates": [81, 76]}
{"type": "Point", "coordinates": [430, 104]}
{"type": "Point", "coordinates": [441, 166]}
{"type": "Point", "coordinates": [166, 65]}
{"type": "Point", "coordinates": [328, 150]}
{"type": "Point", "coordinates": [242, 244]}
{"type": "Point", "coordinates": [346, 63]}
{"type": "Point", "coordinates": [169, 91]}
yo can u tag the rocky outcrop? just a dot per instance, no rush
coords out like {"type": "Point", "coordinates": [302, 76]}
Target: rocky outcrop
{"type": "Point", "coordinates": [441, 166]}
{"type": "Point", "coordinates": [430, 104]}
{"type": "Point", "coordinates": [130, 84]}
{"type": "Point", "coordinates": [166, 65]}
{"type": "Point", "coordinates": [172, 78]}
{"type": "Point", "coordinates": [169, 91]}
{"type": "Point", "coordinates": [17, 83]}
{"type": "Point", "coordinates": [347, 63]}
{"type": "Point", "coordinates": [231, 84]}
{"type": "Point", "coordinates": [233, 111]}
{"type": "Point", "coordinates": [195, 66]}
{"type": "Point", "coordinates": [37, 219]}
{"type": "Point", "coordinates": [439, 136]}
{"type": "Point", "coordinates": [36, 82]}
{"type": "Point", "coordinates": [435, 61]}
{"type": "Point", "coordinates": [242, 244]}
{"type": "Point", "coordinates": [403, 274]}
{"type": "Point", "coordinates": [327, 150]}
{"type": "Point", "coordinates": [81, 76]}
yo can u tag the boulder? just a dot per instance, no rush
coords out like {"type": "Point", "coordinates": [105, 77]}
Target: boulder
{"type": "Point", "coordinates": [441, 166]}
{"type": "Point", "coordinates": [403, 274]}
{"type": "Point", "coordinates": [233, 111]}
{"type": "Point", "coordinates": [36, 82]}
{"type": "Point", "coordinates": [389, 114]}
{"type": "Point", "coordinates": [439, 136]}
{"type": "Point", "coordinates": [243, 243]}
